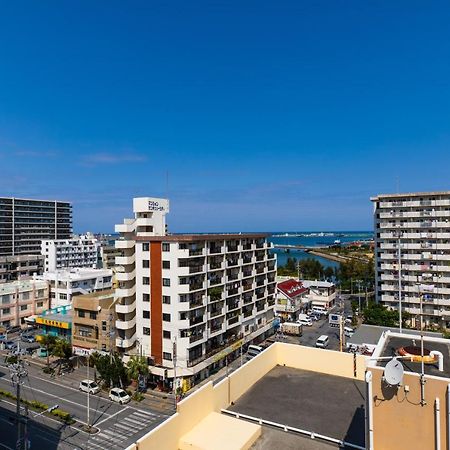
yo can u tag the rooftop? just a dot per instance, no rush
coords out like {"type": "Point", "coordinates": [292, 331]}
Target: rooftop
{"type": "Point", "coordinates": [21, 285]}
{"type": "Point", "coordinates": [393, 342]}
{"type": "Point", "coordinates": [78, 273]}
{"type": "Point", "coordinates": [200, 237]}
{"type": "Point", "coordinates": [291, 288]}
{"type": "Point", "coordinates": [408, 194]}
{"type": "Point", "coordinates": [371, 334]}
{"type": "Point", "coordinates": [317, 283]}
{"type": "Point", "coordinates": [325, 404]}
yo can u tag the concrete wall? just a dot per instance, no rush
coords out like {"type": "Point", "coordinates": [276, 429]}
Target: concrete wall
{"type": "Point", "coordinates": [399, 421]}
{"type": "Point", "coordinates": [211, 398]}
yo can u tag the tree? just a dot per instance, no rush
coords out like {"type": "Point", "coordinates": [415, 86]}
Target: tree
{"type": "Point", "coordinates": [137, 366]}
{"type": "Point", "coordinates": [48, 341]}
{"type": "Point", "coordinates": [377, 314]}
{"type": "Point", "coordinates": [62, 350]}
{"type": "Point", "coordinates": [111, 370]}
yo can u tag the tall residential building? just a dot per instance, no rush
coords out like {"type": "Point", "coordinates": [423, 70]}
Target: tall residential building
{"type": "Point", "coordinates": [412, 253]}
{"type": "Point", "coordinates": [24, 223]}
{"type": "Point", "coordinates": [78, 251]}
{"type": "Point", "coordinates": [191, 298]}
{"type": "Point", "coordinates": [67, 283]}
{"type": "Point", "coordinates": [22, 299]}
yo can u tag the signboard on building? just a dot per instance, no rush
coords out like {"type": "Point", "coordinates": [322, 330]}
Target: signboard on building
{"type": "Point", "coordinates": [151, 204]}
{"type": "Point", "coordinates": [53, 323]}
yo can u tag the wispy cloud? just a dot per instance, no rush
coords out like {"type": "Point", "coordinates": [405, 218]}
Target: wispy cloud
{"type": "Point", "coordinates": [111, 158]}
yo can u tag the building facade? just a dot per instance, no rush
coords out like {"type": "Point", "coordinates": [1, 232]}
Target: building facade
{"type": "Point", "coordinates": [321, 293]}
{"type": "Point", "coordinates": [412, 253]}
{"type": "Point", "coordinates": [93, 323]}
{"type": "Point", "coordinates": [190, 300]}
{"type": "Point", "coordinates": [55, 322]}
{"type": "Point", "coordinates": [78, 251]}
{"type": "Point", "coordinates": [20, 300]}
{"type": "Point", "coordinates": [291, 299]}
{"type": "Point", "coordinates": [24, 223]}
{"type": "Point", "coordinates": [66, 284]}
{"type": "Point", "coordinates": [20, 267]}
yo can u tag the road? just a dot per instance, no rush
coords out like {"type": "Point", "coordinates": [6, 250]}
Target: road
{"type": "Point", "coordinates": [119, 426]}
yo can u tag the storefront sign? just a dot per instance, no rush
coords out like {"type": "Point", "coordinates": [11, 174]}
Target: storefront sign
{"type": "Point", "coordinates": [53, 323]}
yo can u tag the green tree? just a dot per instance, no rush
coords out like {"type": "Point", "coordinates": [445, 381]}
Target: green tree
{"type": "Point", "coordinates": [112, 370]}
{"type": "Point", "coordinates": [377, 314]}
{"type": "Point", "coordinates": [62, 350]}
{"type": "Point", "coordinates": [48, 341]}
{"type": "Point", "coordinates": [136, 366]}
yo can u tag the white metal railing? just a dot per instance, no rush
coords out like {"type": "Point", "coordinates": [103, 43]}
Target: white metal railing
{"type": "Point", "coordinates": [283, 427]}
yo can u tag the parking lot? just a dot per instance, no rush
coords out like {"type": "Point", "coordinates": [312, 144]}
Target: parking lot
{"type": "Point", "coordinates": [25, 341]}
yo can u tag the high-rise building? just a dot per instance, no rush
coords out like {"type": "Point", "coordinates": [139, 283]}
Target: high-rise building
{"type": "Point", "coordinates": [78, 251]}
{"type": "Point", "coordinates": [20, 267]}
{"type": "Point", "coordinates": [412, 253]}
{"type": "Point", "coordinates": [190, 301]}
{"type": "Point", "coordinates": [24, 223]}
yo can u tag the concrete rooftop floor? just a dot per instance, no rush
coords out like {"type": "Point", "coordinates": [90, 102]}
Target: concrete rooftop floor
{"type": "Point", "coordinates": [324, 404]}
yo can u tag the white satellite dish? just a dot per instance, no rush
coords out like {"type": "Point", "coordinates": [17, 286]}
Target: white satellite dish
{"type": "Point", "coordinates": [393, 372]}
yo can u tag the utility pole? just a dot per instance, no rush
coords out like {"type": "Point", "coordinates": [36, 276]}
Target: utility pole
{"type": "Point", "coordinates": [174, 352]}
{"type": "Point", "coordinates": [18, 372]}
{"type": "Point", "coordinates": [341, 334]}
{"type": "Point", "coordinates": [400, 283]}
{"type": "Point", "coordinates": [88, 392]}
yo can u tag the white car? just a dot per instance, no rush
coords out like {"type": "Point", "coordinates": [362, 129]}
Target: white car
{"type": "Point", "coordinates": [305, 322]}
{"type": "Point", "coordinates": [89, 386]}
{"type": "Point", "coordinates": [119, 395]}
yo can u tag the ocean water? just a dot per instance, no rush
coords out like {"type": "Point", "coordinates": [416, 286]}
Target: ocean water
{"type": "Point", "coordinates": [313, 239]}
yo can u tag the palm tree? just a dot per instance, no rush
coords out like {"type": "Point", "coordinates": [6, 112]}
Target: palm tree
{"type": "Point", "coordinates": [137, 365]}
{"type": "Point", "coordinates": [61, 350]}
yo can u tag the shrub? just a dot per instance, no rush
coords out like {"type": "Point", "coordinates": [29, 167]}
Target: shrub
{"type": "Point", "coordinates": [48, 370]}
{"type": "Point", "coordinates": [138, 397]}
{"type": "Point", "coordinates": [63, 415]}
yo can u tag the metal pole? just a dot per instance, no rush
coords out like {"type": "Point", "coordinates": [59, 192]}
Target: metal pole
{"type": "Point", "coordinates": [175, 371]}
{"type": "Point", "coordinates": [422, 375]}
{"type": "Point", "coordinates": [400, 284]}
{"type": "Point", "coordinates": [18, 415]}
{"type": "Point", "coordinates": [88, 397]}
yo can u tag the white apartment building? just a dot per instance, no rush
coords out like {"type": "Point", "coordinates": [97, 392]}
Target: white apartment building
{"type": "Point", "coordinates": [67, 283]}
{"type": "Point", "coordinates": [22, 299]}
{"type": "Point", "coordinates": [78, 251]}
{"type": "Point", "coordinates": [321, 293]}
{"type": "Point", "coordinates": [190, 300]}
{"type": "Point", "coordinates": [412, 253]}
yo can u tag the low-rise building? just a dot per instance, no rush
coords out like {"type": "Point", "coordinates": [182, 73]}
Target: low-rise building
{"type": "Point", "coordinates": [78, 251]}
{"type": "Point", "coordinates": [321, 293]}
{"type": "Point", "coordinates": [56, 322]}
{"type": "Point", "coordinates": [65, 284]}
{"type": "Point", "coordinates": [22, 299]}
{"type": "Point", "coordinates": [20, 267]}
{"type": "Point", "coordinates": [291, 299]}
{"type": "Point", "coordinates": [93, 324]}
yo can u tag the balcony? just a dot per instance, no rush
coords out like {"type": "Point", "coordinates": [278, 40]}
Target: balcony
{"type": "Point", "coordinates": [196, 320]}
{"type": "Point", "coordinates": [126, 324]}
{"type": "Point", "coordinates": [125, 292]}
{"type": "Point", "coordinates": [125, 309]}
{"type": "Point", "coordinates": [126, 342]}
{"type": "Point", "coordinates": [197, 252]}
{"type": "Point", "coordinates": [216, 266]}
{"type": "Point", "coordinates": [125, 260]}
{"type": "Point", "coordinates": [213, 250]}
{"type": "Point", "coordinates": [122, 243]}
{"type": "Point", "coordinates": [126, 276]}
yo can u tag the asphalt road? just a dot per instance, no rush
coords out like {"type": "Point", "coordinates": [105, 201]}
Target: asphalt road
{"type": "Point", "coordinates": [119, 426]}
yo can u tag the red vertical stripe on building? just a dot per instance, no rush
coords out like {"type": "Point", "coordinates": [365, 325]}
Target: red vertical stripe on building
{"type": "Point", "coordinates": [156, 331]}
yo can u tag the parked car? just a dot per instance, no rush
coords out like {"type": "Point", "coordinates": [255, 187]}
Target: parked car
{"type": "Point", "coordinates": [9, 345]}
{"type": "Point", "coordinates": [28, 338]}
{"type": "Point", "coordinates": [14, 329]}
{"type": "Point", "coordinates": [253, 350]}
{"type": "Point", "coordinates": [89, 386]}
{"type": "Point", "coordinates": [305, 321]}
{"type": "Point", "coordinates": [119, 395]}
{"type": "Point", "coordinates": [349, 332]}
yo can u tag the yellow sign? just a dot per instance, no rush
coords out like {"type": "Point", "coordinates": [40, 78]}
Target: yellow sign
{"type": "Point", "coordinates": [52, 323]}
{"type": "Point", "coordinates": [228, 350]}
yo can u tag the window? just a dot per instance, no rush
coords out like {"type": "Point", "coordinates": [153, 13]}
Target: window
{"type": "Point", "coordinates": [166, 299]}
{"type": "Point", "coordinates": [25, 296]}
{"type": "Point", "coordinates": [166, 281]}
{"type": "Point", "coordinates": [63, 296]}
{"type": "Point", "coordinates": [40, 293]}
{"type": "Point", "coordinates": [6, 311]}
{"type": "Point", "coordinates": [166, 334]}
{"type": "Point", "coordinates": [81, 313]}
{"type": "Point", "coordinates": [104, 349]}
{"type": "Point", "coordinates": [85, 332]}
{"type": "Point", "coordinates": [6, 299]}
{"type": "Point", "coordinates": [145, 297]}
{"type": "Point", "coordinates": [146, 331]}
{"type": "Point", "coordinates": [166, 317]}
{"type": "Point", "coordinates": [92, 315]}
{"type": "Point", "coordinates": [167, 356]}
{"type": "Point", "coordinates": [103, 325]}
{"type": "Point", "coordinates": [145, 263]}
{"type": "Point", "coordinates": [145, 247]}
{"type": "Point", "coordinates": [146, 314]}
{"type": "Point", "coordinates": [146, 280]}
{"type": "Point", "coordinates": [165, 247]}
{"type": "Point", "coordinates": [166, 264]}
{"type": "Point", "coordinates": [40, 304]}
{"type": "Point", "coordinates": [23, 307]}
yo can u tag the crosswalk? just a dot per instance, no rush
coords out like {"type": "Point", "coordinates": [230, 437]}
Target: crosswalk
{"type": "Point", "coordinates": [123, 429]}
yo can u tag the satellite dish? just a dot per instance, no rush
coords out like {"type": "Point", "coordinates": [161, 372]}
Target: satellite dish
{"type": "Point", "coordinates": [393, 372]}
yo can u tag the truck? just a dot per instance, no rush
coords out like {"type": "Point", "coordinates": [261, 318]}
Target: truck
{"type": "Point", "coordinates": [334, 320]}
{"type": "Point", "coordinates": [292, 328]}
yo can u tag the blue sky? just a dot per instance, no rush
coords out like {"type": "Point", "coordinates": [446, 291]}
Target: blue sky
{"type": "Point", "coordinates": [282, 115]}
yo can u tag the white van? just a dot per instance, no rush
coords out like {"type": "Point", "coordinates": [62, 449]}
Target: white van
{"type": "Point", "coordinates": [348, 332]}
{"type": "Point", "coordinates": [322, 342]}
{"type": "Point", "coordinates": [305, 321]}
{"type": "Point", "coordinates": [319, 310]}
{"type": "Point", "coordinates": [253, 350]}
{"type": "Point", "coordinates": [89, 386]}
